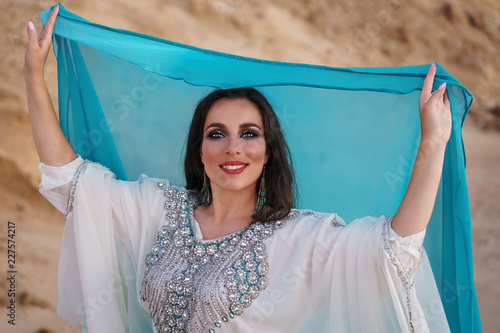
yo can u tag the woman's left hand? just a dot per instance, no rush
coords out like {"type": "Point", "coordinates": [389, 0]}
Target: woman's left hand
{"type": "Point", "coordinates": [435, 125]}
{"type": "Point", "coordinates": [435, 114]}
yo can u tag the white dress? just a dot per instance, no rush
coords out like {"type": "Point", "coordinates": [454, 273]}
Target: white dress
{"type": "Point", "coordinates": [133, 259]}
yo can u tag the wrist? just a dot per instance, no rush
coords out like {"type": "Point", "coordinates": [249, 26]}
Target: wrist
{"type": "Point", "coordinates": [33, 75]}
{"type": "Point", "coordinates": [435, 140]}
{"type": "Point", "coordinates": [436, 136]}
{"type": "Point", "coordinates": [432, 146]}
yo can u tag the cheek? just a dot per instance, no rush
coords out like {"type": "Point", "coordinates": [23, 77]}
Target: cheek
{"type": "Point", "coordinates": [210, 150]}
{"type": "Point", "coordinates": [255, 149]}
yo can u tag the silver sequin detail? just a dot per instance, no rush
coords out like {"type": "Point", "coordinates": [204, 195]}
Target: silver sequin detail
{"type": "Point", "coordinates": [196, 285]}
{"type": "Point", "coordinates": [406, 276]}
{"type": "Point", "coordinates": [333, 223]}
{"type": "Point", "coordinates": [74, 183]}
{"type": "Point", "coordinates": [307, 212]}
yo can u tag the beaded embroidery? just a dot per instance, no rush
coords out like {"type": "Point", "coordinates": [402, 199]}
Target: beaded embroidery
{"type": "Point", "coordinates": [406, 276]}
{"type": "Point", "coordinates": [74, 184]}
{"type": "Point", "coordinates": [196, 285]}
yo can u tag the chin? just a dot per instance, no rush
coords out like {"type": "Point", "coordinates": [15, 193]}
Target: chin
{"type": "Point", "coordinates": [236, 186]}
{"type": "Point", "coordinates": [239, 187]}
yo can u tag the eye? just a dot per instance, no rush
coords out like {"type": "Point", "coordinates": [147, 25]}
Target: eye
{"type": "Point", "coordinates": [215, 135]}
{"type": "Point", "coordinates": [249, 134]}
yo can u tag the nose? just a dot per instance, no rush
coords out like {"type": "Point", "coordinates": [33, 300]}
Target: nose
{"type": "Point", "coordinates": [233, 146]}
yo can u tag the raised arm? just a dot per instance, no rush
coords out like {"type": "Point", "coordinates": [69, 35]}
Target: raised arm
{"type": "Point", "coordinates": [435, 117]}
{"type": "Point", "coordinates": [52, 146]}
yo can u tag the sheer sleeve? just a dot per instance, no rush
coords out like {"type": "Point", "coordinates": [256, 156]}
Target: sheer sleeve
{"type": "Point", "coordinates": [110, 226]}
{"type": "Point", "coordinates": [407, 250]}
{"type": "Point", "coordinates": [376, 280]}
{"type": "Point", "coordinates": [56, 182]}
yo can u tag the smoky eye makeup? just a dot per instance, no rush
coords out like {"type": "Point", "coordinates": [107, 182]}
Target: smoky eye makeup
{"type": "Point", "coordinates": [215, 134]}
{"type": "Point", "coordinates": [247, 130]}
{"type": "Point", "coordinates": [249, 134]}
{"type": "Point", "coordinates": [250, 130]}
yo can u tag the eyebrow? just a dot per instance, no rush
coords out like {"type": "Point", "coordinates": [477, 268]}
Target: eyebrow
{"type": "Point", "coordinates": [221, 125]}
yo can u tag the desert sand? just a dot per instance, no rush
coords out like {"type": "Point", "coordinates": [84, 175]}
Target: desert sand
{"type": "Point", "coordinates": [463, 36]}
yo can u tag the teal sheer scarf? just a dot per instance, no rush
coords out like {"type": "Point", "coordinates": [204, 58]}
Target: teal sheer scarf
{"type": "Point", "coordinates": [126, 101]}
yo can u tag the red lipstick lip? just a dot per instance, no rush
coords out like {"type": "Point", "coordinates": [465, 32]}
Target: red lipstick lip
{"type": "Point", "coordinates": [242, 167]}
{"type": "Point", "coordinates": [233, 163]}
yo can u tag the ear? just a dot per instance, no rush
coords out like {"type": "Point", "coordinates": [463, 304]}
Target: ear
{"type": "Point", "coordinates": [267, 158]}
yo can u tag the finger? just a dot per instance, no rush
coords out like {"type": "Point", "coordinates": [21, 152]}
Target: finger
{"type": "Point", "coordinates": [52, 18]}
{"type": "Point", "coordinates": [32, 39]}
{"type": "Point", "coordinates": [446, 99]}
{"type": "Point", "coordinates": [428, 81]}
{"type": "Point", "coordinates": [438, 94]}
{"type": "Point", "coordinates": [49, 26]}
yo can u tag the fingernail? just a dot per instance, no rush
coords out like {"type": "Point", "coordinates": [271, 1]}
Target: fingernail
{"type": "Point", "coordinates": [442, 86]}
{"type": "Point", "coordinates": [31, 26]}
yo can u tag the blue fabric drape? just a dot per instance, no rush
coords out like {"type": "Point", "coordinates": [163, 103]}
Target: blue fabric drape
{"type": "Point", "coordinates": [126, 100]}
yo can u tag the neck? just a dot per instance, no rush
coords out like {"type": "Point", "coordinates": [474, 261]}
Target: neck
{"type": "Point", "coordinates": [229, 207]}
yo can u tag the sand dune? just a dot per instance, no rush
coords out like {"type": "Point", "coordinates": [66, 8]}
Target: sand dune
{"type": "Point", "coordinates": [464, 36]}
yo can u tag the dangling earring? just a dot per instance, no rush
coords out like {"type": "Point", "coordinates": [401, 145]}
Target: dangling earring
{"type": "Point", "coordinates": [206, 192]}
{"type": "Point", "coordinates": [261, 196]}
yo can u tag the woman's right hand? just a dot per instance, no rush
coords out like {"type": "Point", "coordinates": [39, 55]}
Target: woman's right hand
{"type": "Point", "coordinates": [39, 47]}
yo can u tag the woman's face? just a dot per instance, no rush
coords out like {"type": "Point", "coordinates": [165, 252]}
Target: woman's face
{"type": "Point", "coordinates": [234, 147]}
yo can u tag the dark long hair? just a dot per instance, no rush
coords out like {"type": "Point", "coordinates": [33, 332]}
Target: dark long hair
{"type": "Point", "coordinates": [280, 180]}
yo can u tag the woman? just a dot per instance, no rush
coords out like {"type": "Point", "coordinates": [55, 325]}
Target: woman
{"type": "Point", "coordinates": [230, 253]}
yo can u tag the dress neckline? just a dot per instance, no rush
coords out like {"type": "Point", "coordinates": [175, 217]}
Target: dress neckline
{"type": "Point", "coordinates": [196, 229]}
